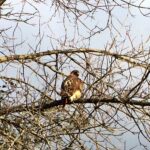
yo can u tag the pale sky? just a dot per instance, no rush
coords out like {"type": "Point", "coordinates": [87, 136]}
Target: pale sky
{"type": "Point", "coordinates": [137, 26]}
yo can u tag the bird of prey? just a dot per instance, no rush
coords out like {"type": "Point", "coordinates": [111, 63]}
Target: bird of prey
{"type": "Point", "coordinates": [71, 88]}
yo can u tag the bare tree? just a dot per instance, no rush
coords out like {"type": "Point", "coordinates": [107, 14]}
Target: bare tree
{"type": "Point", "coordinates": [41, 42]}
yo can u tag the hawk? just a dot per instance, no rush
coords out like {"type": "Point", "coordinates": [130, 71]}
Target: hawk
{"type": "Point", "coordinates": [72, 87]}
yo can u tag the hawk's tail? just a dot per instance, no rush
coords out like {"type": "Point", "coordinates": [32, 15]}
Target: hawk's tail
{"type": "Point", "coordinates": [64, 100]}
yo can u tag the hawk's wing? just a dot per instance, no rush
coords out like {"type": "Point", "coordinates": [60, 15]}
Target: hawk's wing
{"type": "Point", "coordinates": [67, 87]}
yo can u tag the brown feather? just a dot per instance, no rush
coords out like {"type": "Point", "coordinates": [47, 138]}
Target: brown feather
{"type": "Point", "coordinates": [70, 86]}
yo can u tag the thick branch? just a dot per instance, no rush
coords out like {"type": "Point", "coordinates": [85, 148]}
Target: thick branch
{"type": "Point", "coordinates": [21, 108]}
{"type": "Point", "coordinates": [1, 2]}
{"type": "Point", "coordinates": [33, 56]}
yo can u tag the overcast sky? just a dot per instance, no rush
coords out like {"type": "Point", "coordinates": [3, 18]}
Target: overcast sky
{"type": "Point", "coordinates": [136, 25]}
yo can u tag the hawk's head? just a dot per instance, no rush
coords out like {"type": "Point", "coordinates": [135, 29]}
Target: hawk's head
{"type": "Point", "coordinates": [75, 72]}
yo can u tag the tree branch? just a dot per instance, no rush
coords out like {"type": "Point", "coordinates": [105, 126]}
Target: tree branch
{"type": "Point", "coordinates": [22, 108]}
{"type": "Point", "coordinates": [34, 56]}
{"type": "Point", "coordinates": [1, 2]}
